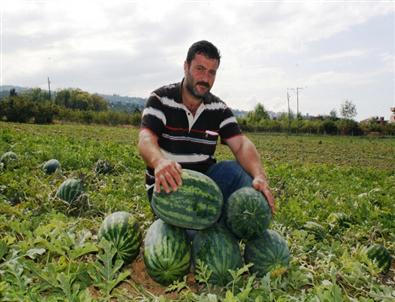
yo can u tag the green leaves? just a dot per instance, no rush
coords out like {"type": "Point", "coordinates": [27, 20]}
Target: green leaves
{"type": "Point", "coordinates": [106, 271]}
{"type": "Point", "coordinates": [344, 184]}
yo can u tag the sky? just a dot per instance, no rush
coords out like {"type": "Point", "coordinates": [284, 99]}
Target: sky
{"type": "Point", "coordinates": [332, 50]}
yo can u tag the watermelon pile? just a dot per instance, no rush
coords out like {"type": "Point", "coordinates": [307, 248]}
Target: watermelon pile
{"type": "Point", "coordinates": [198, 205]}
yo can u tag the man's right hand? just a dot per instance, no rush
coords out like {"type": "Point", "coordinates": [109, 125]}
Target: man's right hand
{"type": "Point", "coordinates": [168, 175]}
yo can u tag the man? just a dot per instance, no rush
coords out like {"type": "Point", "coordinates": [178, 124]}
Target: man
{"type": "Point", "coordinates": [180, 127]}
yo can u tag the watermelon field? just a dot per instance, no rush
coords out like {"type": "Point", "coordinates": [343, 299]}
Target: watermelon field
{"type": "Point", "coordinates": [335, 199]}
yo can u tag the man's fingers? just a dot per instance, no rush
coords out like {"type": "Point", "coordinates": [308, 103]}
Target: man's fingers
{"type": "Point", "coordinates": [163, 182]}
{"type": "Point", "coordinates": [263, 188]}
{"type": "Point", "coordinates": [170, 180]}
{"type": "Point", "coordinates": [176, 173]}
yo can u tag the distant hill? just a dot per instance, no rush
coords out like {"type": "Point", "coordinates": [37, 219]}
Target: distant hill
{"type": "Point", "coordinates": [124, 103]}
{"type": "Point", "coordinates": [115, 101]}
{"type": "Point", "coordinates": [5, 89]}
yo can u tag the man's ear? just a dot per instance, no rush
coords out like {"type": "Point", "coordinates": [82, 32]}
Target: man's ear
{"type": "Point", "coordinates": [186, 66]}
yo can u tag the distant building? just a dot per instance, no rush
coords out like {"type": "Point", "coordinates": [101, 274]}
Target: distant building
{"type": "Point", "coordinates": [375, 119]}
{"type": "Point", "coordinates": [392, 117]}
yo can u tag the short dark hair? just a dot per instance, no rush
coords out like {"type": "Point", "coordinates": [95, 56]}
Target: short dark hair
{"type": "Point", "coordinates": [205, 48]}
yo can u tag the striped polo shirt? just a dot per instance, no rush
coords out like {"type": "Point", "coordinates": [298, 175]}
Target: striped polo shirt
{"type": "Point", "coordinates": [189, 140]}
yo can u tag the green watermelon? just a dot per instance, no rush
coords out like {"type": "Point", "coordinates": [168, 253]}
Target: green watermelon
{"type": "Point", "coordinates": [217, 248]}
{"type": "Point", "coordinates": [247, 213]}
{"type": "Point", "coordinates": [167, 252]}
{"type": "Point", "coordinates": [8, 157]}
{"type": "Point", "coordinates": [381, 255]}
{"type": "Point", "coordinates": [269, 253]}
{"type": "Point", "coordinates": [315, 229]}
{"type": "Point", "coordinates": [197, 204]}
{"type": "Point", "coordinates": [70, 190]}
{"type": "Point", "coordinates": [51, 166]}
{"type": "Point", "coordinates": [339, 219]}
{"type": "Point", "coordinates": [123, 231]}
{"type": "Point", "coordinates": [103, 167]}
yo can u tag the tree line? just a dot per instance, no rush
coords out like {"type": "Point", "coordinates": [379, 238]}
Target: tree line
{"type": "Point", "coordinates": [72, 105]}
{"type": "Point", "coordinates": [260, 120]}
{"type": "Point", "coordinates": [75, 105]}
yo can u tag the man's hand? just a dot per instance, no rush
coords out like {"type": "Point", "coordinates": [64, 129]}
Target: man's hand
{"type": "Point", "coordinates": [168, 175]}
{"type": "Point", "coordinates": [260, 184]}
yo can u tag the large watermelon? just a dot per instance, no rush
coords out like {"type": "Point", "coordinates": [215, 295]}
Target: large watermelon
{"type": "Point", "coordinates": [123, 231]}
{"type": "Point", "coordinates": [247, 213]}
{"type": "Point", "coordinates": [51, 166]}
{"type": "Point", "coordinates": [70, 190]}
{"type": "Point", "coordinates": [268, 253]}
{"type": "Point", "coordinates": [380, 254]}
{"type": "Point", "coordinates": [197, 204]}
{"type": "Point", "coordinates": [217, 248]}
{"type": "Point", "coordinates": [167, 252]}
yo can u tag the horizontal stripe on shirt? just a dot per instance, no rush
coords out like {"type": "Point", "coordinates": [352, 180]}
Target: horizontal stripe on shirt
{"type": "Point", "coordinates": [189, 139]}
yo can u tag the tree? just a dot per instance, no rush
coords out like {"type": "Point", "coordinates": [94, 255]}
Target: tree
{"type": "Point", "coordinates": [258, 114]}
{"type": "Point", "coordinates": [348, 110]}
{"type": "Point", "coordinates": [333, 114]}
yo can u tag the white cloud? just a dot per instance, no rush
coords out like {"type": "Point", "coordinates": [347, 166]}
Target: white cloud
{"type": "Point", "coordinates": [352, 53]}
{"type": "Point", "coordinates": [131, 47]}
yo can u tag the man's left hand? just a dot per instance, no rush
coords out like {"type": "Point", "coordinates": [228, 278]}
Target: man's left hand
{"type": "Point", "coordinates": [260, 184]}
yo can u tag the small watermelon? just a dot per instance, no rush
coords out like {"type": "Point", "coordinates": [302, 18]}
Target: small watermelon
{"type": "Point", "coordinates": [70, 190]}
{"type": "Point", "coordinates": [51, 166]}
{"type": "Point", "coordinates": [380, 254]}
{"type": "Point", "coordinates": [103, 167]}
{"type": "Point", "coordinates": [8, 157]}
{"type": "Point", "coordinates": [167, 252]}
{"type": "Point", "coordinates": [247, 213]}
{"type": "Point", "coordinates": [123, 231]}
{"type": "Point", "coordinates": [316, 229]}
{"type": "Point", "coordinates": [217, 248]}
{"type": "Point", "coordinates": [269, 253]}
{"type": "Point", "coordinates": [197, 204]}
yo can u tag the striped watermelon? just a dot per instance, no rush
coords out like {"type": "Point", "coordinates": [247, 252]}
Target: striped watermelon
{"type": "Point", "coordinates": [217, 248]}
{"type": "Point", "coordinates": [247, 213]}
{"type": "Point", "coordinates": [167, 252]}
{"type": "Point", "coordinates": [268, 254]}
{"type": "Point", "coordinates": [51, 166]}
{"type": "Point", "coordinates": [70, 190]}
{"type": "Point", "coordinates": [197, 204]}
{"type": "Point", "coordinates": [123, 231]}
{"type": "Point", "coordinates": [381, 255]}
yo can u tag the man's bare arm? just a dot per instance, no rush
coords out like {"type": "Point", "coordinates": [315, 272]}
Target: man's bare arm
{"type": "Point", "coordinates": [248, 157]}
{"type": "Point", "coordinates": [167, 172]}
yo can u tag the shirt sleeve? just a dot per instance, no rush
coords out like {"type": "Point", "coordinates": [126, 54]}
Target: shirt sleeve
{"type": "Point", "coordinates": [153, 117]}
{"type": "Point", "coordinates": [229, 126]}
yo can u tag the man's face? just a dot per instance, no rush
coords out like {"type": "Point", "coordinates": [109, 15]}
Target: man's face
{"type": "Point", "coordinates": [200, 75]}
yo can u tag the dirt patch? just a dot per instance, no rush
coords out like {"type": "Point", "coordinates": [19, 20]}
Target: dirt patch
{"type": "Point", "coordinates": [140, 276]}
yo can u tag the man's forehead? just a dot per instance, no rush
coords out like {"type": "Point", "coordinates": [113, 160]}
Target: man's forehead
{"type": "Point", "coordinates": [201, 58]}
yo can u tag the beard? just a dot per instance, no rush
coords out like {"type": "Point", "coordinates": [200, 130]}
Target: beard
{"type": "Point", "coordinates": [190, 85]}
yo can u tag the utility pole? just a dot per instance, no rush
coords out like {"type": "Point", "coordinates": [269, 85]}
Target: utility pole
{"type": "Point", "coordinates": [297, 101]}
{"type": "Point", "coordinates": [289, 112]}
{"type": "Point", "coordinates": [49, 88]}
